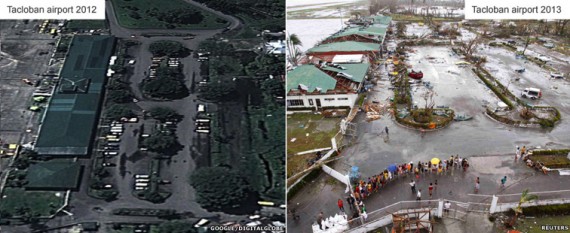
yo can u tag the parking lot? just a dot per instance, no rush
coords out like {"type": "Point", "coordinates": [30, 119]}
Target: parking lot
{"type": "Point", "coordinates": [502, 64]}
{"type": "Point", "coordinates": [455, 86]}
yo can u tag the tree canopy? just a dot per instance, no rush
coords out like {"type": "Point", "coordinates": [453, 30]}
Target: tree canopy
{"type": "Point", "coordinates": [118, 111]}
{"type": "Point", "coordinates": [164, 114]}
{"type": "Point", "coordinates": [162, 143]}
{"type": "Point", "coordinates": [217, 90]}
{"type": "Point", "coordinates": [218, 187]}
{"type": "Point", "coordinates": [177, 226]}
{"type": "Point", "coordinates": [168, 48]}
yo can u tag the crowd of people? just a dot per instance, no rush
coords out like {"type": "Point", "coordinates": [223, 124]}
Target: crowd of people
{"type": "Point", "coordinates": [374, 184]}
{"type": "Point", "coordinates": [364, 188]}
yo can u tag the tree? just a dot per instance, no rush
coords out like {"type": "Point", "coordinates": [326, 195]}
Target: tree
{"type": "Point", "coordinates": [295, 41]}
{"type": "Point", "coordinates": [218, 187]}
{"type": "Point", "coordinates": [470, 46]}
{"type": "Point", "coordinates": [118, 111]}
{"type": "Point", "coordinates": [168, 48]}
{"type": "Point", "coordinates": [165, 88]}
{"type": "Point", "coordinates": [177, 226]}
{"type": "Point", "coordinates": [273, 87]}
{"type": "Point", "coordinates": [163, 143]}
{"type": "Point", "coordinates": [119, 96]}
{"type": "Point", "coordinates": [380, 5]}
{"type": "Point", "coordinates": [525, 197]}
{"type": "Point", "coordinates": [154, 197]}
{"type": "Point", "coordinates": [164, 114]}
{"type": "Point", "coordinates": [217, 90]}
{"type": "Point", "coordinates": [560, 25]}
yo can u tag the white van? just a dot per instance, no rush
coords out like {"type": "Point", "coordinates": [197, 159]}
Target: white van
{"type": "Point", "coordinates": [201, 108]}
{"type": "Point", "coordinates": [532, 93]}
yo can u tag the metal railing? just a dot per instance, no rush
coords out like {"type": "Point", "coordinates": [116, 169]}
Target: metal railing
{"type": "Point", "coordinates": [384, 215]}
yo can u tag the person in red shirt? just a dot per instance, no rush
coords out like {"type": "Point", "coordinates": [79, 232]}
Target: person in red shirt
{"type": "Point", "coordinates": [430, 189]}
{"type": "Point", "coordinates": [340, 205]}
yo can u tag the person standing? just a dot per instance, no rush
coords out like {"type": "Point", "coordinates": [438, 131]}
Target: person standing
{"type": "Point", "coordinates": [430, 189]}
{"type": "Point", "coordinates": [523, 151]}
{"type": "Point", "coordinates": [477, 185]}
{"type": "Point", "coordinates": [456, 160]}
{"type": "Point", "coordinates": [320, 220]}
{"type": "Point", "coordinates": [340, 205]}
{"type": "Point", "coordinates": [386, 129]}
{"type": "Point", "coordinates": [446, 207]}
{"type": "Point", "coordinates": [350, 202]}
{"type": "Point", "coordinates": [419, 195]}
{"type": "Point", "coordinates": [413, 184]}
{"type": "Point", "coordinates": [518, 153]}
{"type": "Point", "coordinates": [504, 180]}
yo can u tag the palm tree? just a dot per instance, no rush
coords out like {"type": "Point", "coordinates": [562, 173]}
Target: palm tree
{"type": "Point", "coordinates": [294, 52]}
{"type": "Point", "coordinates": [295, 40]}
{"type": "Point", "coordinates": [525, 197]}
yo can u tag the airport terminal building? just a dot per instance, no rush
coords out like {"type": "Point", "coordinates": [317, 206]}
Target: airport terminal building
{"type": "Point", "coordinates": [68, 125]}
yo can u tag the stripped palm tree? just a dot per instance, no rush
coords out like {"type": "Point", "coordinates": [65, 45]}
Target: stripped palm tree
{"type": "Point", "coordinates": [294, 52]}
{"type": "Point", "coordinates": [525, 197]}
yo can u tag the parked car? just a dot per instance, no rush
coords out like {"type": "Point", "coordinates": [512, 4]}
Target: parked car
{"type": "Point", "coordinates": [111, 153]}
{"type": "Point", "coordinates": [520, 69]}
{"type": "Point", "coordinates": [108, 164]}
{"type": "Point", "coordinates": [532, 93]}
{"type": "Point", "coordinates": [549, 45]}
{"type": "Point", "coordinates": [544, 58]}
{"type": "Point", "coordinates": [556, 75]}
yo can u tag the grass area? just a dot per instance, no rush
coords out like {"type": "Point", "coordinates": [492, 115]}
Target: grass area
{"type": "Point", "coordinates": [265, 147]}
{"type": "Point", "coordinates": [361, 98]}
{"type": "Point", "coordinates": [320, 131]}
{"type": "Point", "coordinates": [533, 225]}
{"type": "Point", "coordinates": [138, 14]}
{"type": "Point", "coordinates": [297, 163]}
{"type": "Point", "coordinates": [552, 161]}
{"type": "Point", "coordinates": [86, 24]}
{"type": "Point", "coordinates": [39, 203]}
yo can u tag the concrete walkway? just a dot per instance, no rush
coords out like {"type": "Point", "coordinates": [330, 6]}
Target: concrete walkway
{"type": "Point", "coordinates": [323, 193]}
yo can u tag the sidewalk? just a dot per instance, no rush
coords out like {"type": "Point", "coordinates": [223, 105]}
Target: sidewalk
{"type": "Point", "coordinates": [322, 195]}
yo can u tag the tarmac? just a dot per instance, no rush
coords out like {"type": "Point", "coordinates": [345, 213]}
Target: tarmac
{"type": "Point", "coordinates": [322, 194]}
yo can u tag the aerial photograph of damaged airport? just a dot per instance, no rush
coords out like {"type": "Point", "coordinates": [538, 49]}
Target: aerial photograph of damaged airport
{"type": "Point", "coordinates": [168, 116]}
{"type": "Point", "coordinates": [403, 116]}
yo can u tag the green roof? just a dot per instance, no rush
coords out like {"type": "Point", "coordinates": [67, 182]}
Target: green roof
{"type": "Point", "coordinates": [380, 19]}
{"type": "Point", "coordinates": [356, 71]}
{"type": "Point", "coordinates": [345, 46]}
{"type": "Point", "coordinates": [377, 31]}
{"type": "Point", "coordinates": [54, 176]}
{"type": "Point", "coordinates": [311, 77]}
{"type": "Point", "coordinates": [69, 121]}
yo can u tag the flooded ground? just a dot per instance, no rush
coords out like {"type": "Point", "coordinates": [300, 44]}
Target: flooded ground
{"type": "Point", "coordinates": [461, 90]}
{"type": "Point", "coordinates": [311, 31]}
{"type": "Point", "coordinates": [415, 29]}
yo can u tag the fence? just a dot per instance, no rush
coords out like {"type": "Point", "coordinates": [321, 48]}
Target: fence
{"type": "Point", "coordinates": [383, 216]}
{"type": "Point", "coordinates": [458, 210]}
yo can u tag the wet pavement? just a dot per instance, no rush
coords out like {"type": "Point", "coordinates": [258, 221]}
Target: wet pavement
{"type": "Point", "coordinates": [465, 94]}
{"type": "Point", "coordinates": [456, 185]}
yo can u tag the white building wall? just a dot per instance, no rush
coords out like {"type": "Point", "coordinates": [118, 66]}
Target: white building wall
{"type": "Point", "coordinates": [339, 100]}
